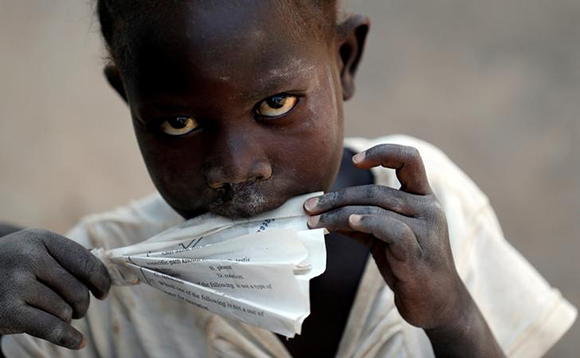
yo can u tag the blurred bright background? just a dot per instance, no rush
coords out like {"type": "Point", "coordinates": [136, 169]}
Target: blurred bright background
{"type": "Point", "coordinates": [495, 84]}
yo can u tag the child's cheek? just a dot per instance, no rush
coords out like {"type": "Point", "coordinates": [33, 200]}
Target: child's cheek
{"type": "Point", "coordinates": [312, 149]}
{"type": "Point", "coordinates": [175, 168]}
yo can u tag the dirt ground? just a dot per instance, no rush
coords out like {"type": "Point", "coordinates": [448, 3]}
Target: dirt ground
{"type": "Point", "coordinates": [495, 84]}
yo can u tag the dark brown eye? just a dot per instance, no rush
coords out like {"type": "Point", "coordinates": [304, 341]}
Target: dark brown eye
{"type": "Point", "coordinates": [277, 105]}
{"type": "Point", "coordinates": [179, 125]}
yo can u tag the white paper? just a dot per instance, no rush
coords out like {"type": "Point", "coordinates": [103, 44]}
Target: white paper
{"type": "Point", "coordinates": [256, 270]}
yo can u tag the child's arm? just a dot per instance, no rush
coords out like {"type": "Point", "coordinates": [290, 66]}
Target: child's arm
{"type": "Point", "coordinates": [46, 279]}
{"type": "Point", "coordinates": [406, 231]}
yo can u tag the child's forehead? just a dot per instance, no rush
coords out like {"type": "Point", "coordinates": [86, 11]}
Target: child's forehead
{"type": "Point", "coordinates": [258, 22]}
{"type": "Point", "coordinates": [224, 42]}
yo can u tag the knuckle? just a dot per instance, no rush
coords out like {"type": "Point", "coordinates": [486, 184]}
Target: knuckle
{"type": "Point", "coordinates": [412, 153]}
{"type": "Point", "coordinates": [30, 231]}
{"type": "Point", "coordinates": [379, 149]}
{"type": "Point", "coordinates": [435, 207]}
{"type": "Point", "coordinates": [372, 191]}
{"type": "Point", "coordinates": [17, 245]}
{"type": "Point", "coordinates": [21, 280]}
{"type": "Point", "coordinates": [16, 271]}
{"type": "Point", "coordinates": [400, 230]}
{"type": "Point", "coordinates": [33, 244]}
{"type": "Point", "coordinates": [48, 238]}
{"type": "Point", "coordinates": [397, 203]}
{"type": "Point", "coordinates": [37, 234]}
{"type": "Point", "coordinates": [434, 210]}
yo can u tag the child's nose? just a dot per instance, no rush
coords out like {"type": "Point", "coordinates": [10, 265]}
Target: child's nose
{"type": "Point", "coordinates": [237, 160]}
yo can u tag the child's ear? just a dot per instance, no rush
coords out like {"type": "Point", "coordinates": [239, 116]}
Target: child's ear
{"type": "Point", "coordinates": [114, 78]}
{"type": "Point", "coordinates": [351, 36]}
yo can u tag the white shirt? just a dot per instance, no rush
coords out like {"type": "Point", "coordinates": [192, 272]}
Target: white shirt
{"type": "Point", "coordinates": [526, 315]}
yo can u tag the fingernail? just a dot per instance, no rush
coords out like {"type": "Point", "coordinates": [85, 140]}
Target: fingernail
{"type": "Point", "coordinates": [355, 219]}
{"type": "Point", "coordinates": [83, 343]}
{"type": "Point", "coordinates": [311, 203]}
{"type": "Point", "coordinates": [358, 158]}
{"type": "Point", "coordinates": [313, 221]}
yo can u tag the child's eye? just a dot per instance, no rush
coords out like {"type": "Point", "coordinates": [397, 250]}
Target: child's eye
{"type": "Point", "coordinates": [277, 105]}
{"type": "Point", "coordinates": [179, 125]}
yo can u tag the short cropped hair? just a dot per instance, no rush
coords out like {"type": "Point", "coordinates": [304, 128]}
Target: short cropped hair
{"type": "Point", "coordinates": [118, 16]}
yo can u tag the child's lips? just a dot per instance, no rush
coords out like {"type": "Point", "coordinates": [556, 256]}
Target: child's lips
{"type": "Point", "coordinates": [242, 207]}
{"type": "Point", "coordinates": [245, 200]}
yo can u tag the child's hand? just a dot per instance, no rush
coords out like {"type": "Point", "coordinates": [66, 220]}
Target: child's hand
{"type": "Point", "coordinates": [45, 283]}
{"type": "Point", "coordinates": [406, 231]}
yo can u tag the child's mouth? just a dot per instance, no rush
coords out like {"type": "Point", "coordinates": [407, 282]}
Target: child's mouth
{"type": "Point", "coordinates": [242, 200]}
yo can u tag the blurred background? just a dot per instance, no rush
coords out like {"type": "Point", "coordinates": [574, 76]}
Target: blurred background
{"type": "Point", "coordinates": [495, 84]}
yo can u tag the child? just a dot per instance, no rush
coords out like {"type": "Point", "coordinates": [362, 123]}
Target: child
{"type": "Point", "coordinates": [237, 107]}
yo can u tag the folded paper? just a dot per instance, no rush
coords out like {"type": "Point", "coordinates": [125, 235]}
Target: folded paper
{"type": "Point", "coordinates": [256, 270]}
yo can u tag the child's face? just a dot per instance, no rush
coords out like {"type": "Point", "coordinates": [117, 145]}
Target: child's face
{"type": "Point", "coordinates": [200, 86]}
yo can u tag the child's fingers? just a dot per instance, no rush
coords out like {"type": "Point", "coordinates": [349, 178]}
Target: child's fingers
{"type": "Point", "coordinates": [337, 219]}
{"type": "Point", "coordinates": [66, 285]}
{"type": "Point", "coordinates": [46, 326]}
{"type": "Point", "coordinates": [395, 233]}
{"type": "Point", "coordinates": [76, 259]}
{"type": "Point", "coordinates": [43, 298]}
{"type": "Point", "coordinates": [406, 160]}
{"type": "Point", "coordinates": [375, 195]}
